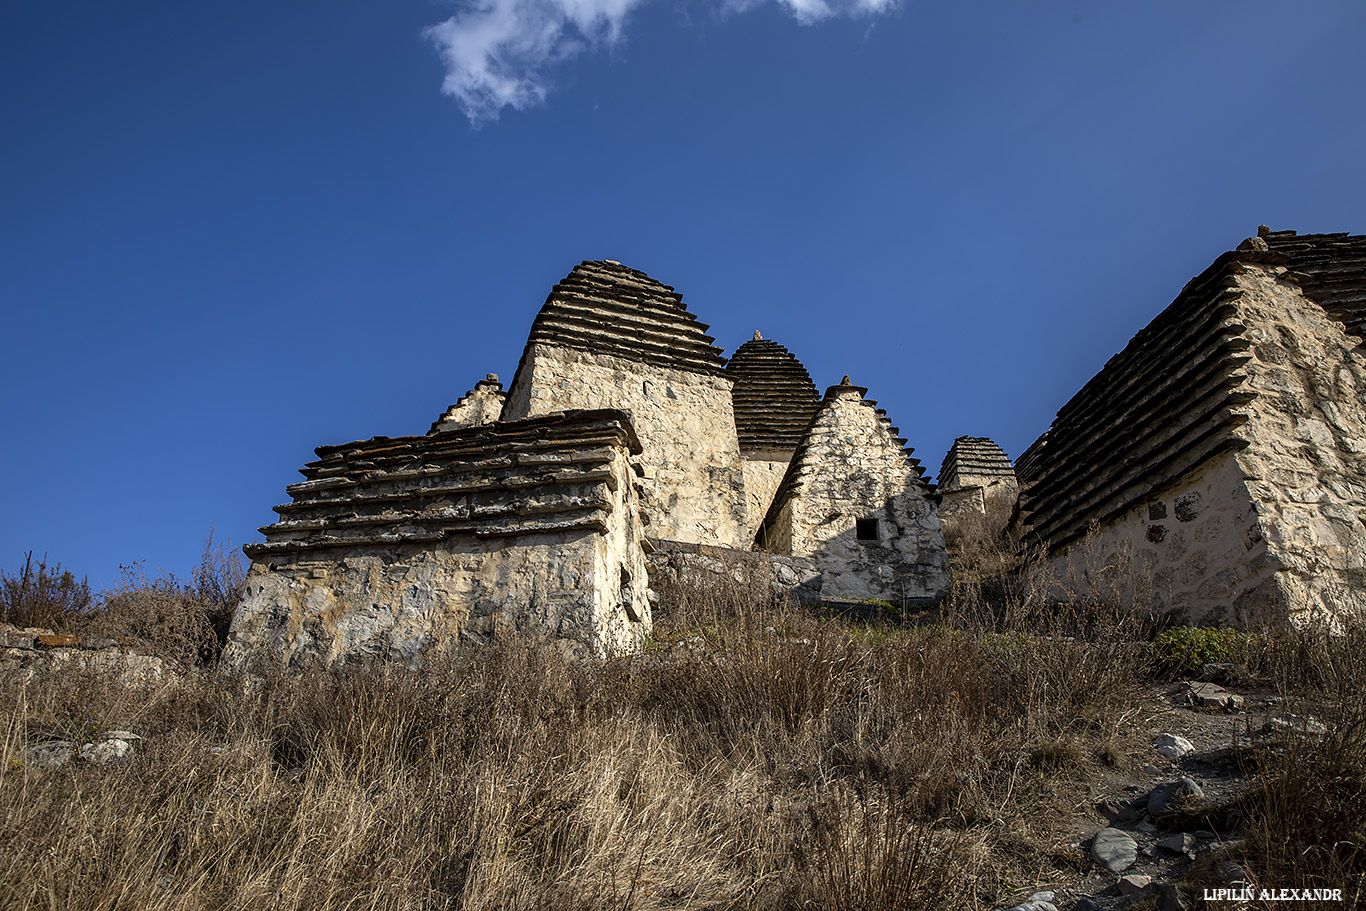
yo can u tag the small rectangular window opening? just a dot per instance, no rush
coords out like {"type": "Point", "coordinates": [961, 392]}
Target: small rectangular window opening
{"type": "Point", "coordinates": [865, 529]}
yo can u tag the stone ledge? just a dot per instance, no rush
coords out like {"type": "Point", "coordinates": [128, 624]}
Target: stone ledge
{"type": "Point", "coordinates": [30, 651]}
{"type": "Point", "coordinates": [34, 637]}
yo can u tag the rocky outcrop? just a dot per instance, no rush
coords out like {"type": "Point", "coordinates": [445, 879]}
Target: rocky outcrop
{"type": "Point", "coordinates": [392, 547]}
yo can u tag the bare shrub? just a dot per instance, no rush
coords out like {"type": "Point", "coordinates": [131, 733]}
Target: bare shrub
{"type": "Point", "coordinates": [42, 595]}
{"type": "Point", "coordinates": [186, 621]}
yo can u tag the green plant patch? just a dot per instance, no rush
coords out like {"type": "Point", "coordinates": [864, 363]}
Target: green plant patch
{"type": "Point", "coordinates": [1183, 650]}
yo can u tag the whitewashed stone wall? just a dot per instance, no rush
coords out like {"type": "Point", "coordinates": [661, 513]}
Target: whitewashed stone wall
{"type": "Point", "coordinates": [1196, 545]}
{"type": "Point", "coordinates": [1271, 529]}
{"type": "Point", "coordinates": [511, 535]}
{"type": "Point", "coordinates": [1306, 458]}
{"type": "Point", "coordinates": [763, 472]}
{"type": "Point", "coordinates": [398, 604]}
{"type": "Point", "coordinates": [481, 405]}
{"type": "Point", "coordinates": [853, 467]}
{"type": "Point", "coordinates": [693, 487]}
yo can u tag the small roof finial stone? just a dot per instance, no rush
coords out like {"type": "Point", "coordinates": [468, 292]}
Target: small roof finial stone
{"type": "Point", "coordinates": [757, 336]}
{"type": "Point", "coordinates": [845, 381]}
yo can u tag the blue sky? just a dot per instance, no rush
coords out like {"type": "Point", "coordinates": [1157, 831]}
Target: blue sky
{"type": "Point", "coordinates": [232, 232]}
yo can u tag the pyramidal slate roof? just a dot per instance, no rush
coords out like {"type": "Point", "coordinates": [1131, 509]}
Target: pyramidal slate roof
{"type": "Point", "coordinates": [607, 308]}
{"type": "Point", "coordinates": [774, 397]}
{"type": "Point", "coordinates": [804, 465]}
{"type": "Point", "coordinates": [971, 460]}
{"type": "Point", "coordinates": [1178, 380]}
{"type": "Point", "coordinates": [1332, 269]}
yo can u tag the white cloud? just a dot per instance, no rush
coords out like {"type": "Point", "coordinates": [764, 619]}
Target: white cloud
{"type": "Point", "coordinates": [498, 53]}
{"type": "Point", "coordinates": [808, 12]}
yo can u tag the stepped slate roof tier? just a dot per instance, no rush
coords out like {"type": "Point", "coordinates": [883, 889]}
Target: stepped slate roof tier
{"type": "Point", "coordinates": [607, 308]}
{"type": "Point", "coordinates": [1332, 269]}
{"type": "Point", "coordinates": [1182, 380]}
{"type": "Point", "coordinates": [970, 461]}
{"type": "Point", "coordinates": [1223, 447]}
{"type": "Point", "coordinates": [481, 405]}
{"type": "Point", "coordinates": [774, 397]}
{"type": "Point", "coordinates": [1178, 380]}
{"type": "Point", "coordinates": [395, 548]}
{"type": "Point", "coordinates": [802, 467]}
{"type": "Point", "coordinates": [547, 474]}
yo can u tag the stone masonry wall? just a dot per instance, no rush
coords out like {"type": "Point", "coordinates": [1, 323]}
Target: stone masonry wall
{"type": "Point", "coordinates": [1306, 458]}
{"type": "Point", "coordinates": [481, 405]}
{"type": "Point", "coordinates": [1198, 543]}
{"type": "Point", "coordinates": [395, 547]}
{"type": "Point", "coordinates": [29, 652]}
{"type": "Point", "coordinates": [763, 472]}
{"type": "Point", "coordinates": [852, 466]}
{"type": "Point", "coordinates": [397, 604]}
{"type": "Point", "coordinates": [693, 483]}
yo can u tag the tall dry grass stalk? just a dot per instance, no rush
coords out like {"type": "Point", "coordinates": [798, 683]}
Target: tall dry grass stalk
{"type": "Point", "coordinates": [773, 758]}
{"type": "Point", "coordinates": [759, 755]}
{"type": "Point", "coordinates": [1306, 825]}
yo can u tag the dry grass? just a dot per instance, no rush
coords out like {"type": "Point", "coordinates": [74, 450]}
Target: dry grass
{"type": "Point", "coordinates": [42, 595]}
{"type": "Point", "coordinates": [760, 756]}
{"type": "Point", "coordinates": [1307, 827]}
{"type": "Point", "coordinates": [186, 621]}
{"type": "Point", "coordinates": [776, 759]}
